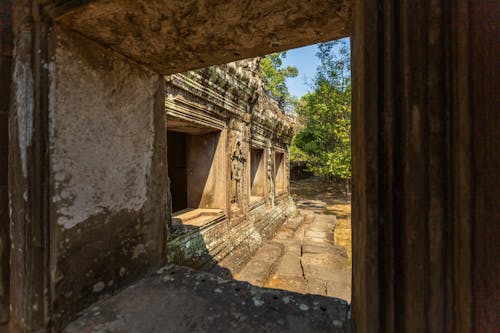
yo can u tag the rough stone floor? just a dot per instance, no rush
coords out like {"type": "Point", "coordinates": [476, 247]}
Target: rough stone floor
{"type": "Point", "coordinates": [179, 299]}
{"type": "Point", "coordinates": [302, 257]}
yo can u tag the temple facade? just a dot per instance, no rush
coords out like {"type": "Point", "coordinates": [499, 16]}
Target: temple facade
{"type": "Point", "coordinates": [228, 165]}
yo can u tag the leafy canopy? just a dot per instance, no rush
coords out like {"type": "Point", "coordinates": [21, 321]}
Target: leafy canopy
{"type": "Point", "coordinates": [323, 139]}
{"type": "Point", "coordinates": [274, 76]}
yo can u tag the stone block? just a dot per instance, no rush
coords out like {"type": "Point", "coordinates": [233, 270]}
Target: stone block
{"type": "Point", "coordinates": [178, 299]}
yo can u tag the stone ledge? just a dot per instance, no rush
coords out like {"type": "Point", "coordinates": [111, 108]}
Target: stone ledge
{"type": "Point", "coordinates": [178, 299]}
{"type": "Point", "coordinates": [196, 217]}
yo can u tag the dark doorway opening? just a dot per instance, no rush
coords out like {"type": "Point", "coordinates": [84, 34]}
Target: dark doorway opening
{"type": "Point", "coordinates": [177, 168]}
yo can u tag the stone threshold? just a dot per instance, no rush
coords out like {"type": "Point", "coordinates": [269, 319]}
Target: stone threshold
{"type": "Point", "coordinates": [196, 217]}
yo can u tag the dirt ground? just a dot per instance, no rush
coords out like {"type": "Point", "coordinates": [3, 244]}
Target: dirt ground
{"type": "Point", "coordinates": [338, 203]}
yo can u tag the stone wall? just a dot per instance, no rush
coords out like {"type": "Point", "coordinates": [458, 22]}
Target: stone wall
{"type": "Point", "coordinates": [107, 160]}
{"type": "Point", "coordinates": [231, 98]}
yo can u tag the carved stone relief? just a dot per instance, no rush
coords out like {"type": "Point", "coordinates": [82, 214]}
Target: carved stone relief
{"type": "Point", "coordinates": [270, 173]}
{"type": "Point", "coordinates": [238, 161]}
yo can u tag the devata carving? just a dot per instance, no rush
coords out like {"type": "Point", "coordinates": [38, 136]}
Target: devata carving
{"type": "Point", "coordinates": [270, 175]}
{"type": "Point", "coordinates": [237, 166]}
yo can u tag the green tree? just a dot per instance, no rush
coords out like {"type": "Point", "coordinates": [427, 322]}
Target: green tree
{"type": "Point", "coordinates": [324, 139]}
{"type": "Point", "coordinates": [274, 76]}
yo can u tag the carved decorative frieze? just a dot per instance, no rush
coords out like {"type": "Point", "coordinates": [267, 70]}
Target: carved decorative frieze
{"type": "Point", "coordinates": [232, 90]}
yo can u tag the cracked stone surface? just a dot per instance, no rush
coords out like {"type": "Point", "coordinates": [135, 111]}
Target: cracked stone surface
{"type": "Point", "coordinates": [310, 261]}
{"type": "Point", "coordinates": [179, 299]}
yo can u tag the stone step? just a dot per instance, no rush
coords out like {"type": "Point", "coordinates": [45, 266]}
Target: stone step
{"type": "Point", "coordinates": [315, 206]}
{"type": "Point", "coordinates": [293, 223]}
{"type": "Point", "coordinates": [259, 269]}
{"type": "Point", "coordinates": [288, 273]}
{"type": "Point", "coordinates": [289, 229]}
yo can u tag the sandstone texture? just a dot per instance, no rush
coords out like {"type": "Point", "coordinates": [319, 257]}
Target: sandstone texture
{"type": "Point", "coordinates": [175, 36]}
{"type": "Point", "coordinates": [178, 299]}
{"type": "Point", "coordinates": [424, 149]}
{"type": "Point", "coordinates": [302, 257]}
{"type": "Point", "coordinates": [236, 190]}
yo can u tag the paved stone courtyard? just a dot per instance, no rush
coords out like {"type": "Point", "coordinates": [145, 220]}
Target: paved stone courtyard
{"type": "Point", "coordinates": [303, 256]}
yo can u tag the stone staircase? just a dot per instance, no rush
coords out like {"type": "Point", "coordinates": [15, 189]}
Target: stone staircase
{"type": "Point", "coordinates": [302, 257]}
{"type": "Point", "coordinates": [258, 270]}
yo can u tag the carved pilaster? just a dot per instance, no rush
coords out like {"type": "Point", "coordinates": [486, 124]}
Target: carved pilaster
{"type": "Point", "coordinates": [270, 176]}
{"type": "Point", "coordinates": [425, 166]}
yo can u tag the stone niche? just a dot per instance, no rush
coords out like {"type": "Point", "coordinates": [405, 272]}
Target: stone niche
{"type": "Point", "coordinates": [224, 138]}
{"type": "Point", "coordinates": [196, 164]}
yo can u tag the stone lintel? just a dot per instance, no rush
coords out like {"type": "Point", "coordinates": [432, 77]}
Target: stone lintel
{"type": "Point", "coordinates": [175, 36]}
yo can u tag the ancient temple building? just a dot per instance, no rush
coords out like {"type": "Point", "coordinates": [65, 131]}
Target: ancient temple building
{"type": "Point", "coordinates": [227, 155]}
{"type": "Point", "coordinates": [84, 184]}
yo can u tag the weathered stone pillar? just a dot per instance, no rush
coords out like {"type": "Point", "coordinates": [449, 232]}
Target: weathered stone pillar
{"type": "Point", "coordinates": [425, 166]}
{"type": "Point", "coordinates": [28, 172]}
{"type": "Point", "coordinates": [117, 132]}
{"type": "Point", "coordinates": [5, 81]}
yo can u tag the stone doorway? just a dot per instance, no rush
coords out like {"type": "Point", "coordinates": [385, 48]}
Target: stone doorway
{"type": "Point", "coordinates": [195, 157]}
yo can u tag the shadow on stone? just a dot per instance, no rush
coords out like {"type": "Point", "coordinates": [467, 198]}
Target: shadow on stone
{"type": "Point", "coordinates": [208, 299]}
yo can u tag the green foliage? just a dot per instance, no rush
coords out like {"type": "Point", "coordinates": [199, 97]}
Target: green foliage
{"type": "Point", "coordinates": [297, 154]}
{"type": "Point", "coordinates": [274, 76]}
{"type": "Point", "coordinates": [324, 140]}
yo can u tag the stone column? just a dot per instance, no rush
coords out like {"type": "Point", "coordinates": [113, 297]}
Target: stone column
{"type": "Point", "coordinates": [6, 40]}
{"type": "Point", "coordinates": [425, 166]}
{"type": "Point", "coordinates": [286, 171]}
{"type": "Point", "coordinates": [32, 73]}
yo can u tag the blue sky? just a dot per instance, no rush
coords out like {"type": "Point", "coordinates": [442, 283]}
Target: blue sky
{"type": "Point", "coordinates": [304, 58]}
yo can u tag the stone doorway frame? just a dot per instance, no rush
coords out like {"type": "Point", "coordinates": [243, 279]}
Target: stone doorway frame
{"type": "Point", "coordinates": [423, 102]}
